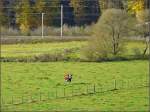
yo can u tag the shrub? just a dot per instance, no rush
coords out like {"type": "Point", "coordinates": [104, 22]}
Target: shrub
{"type": "Point", "coordinates": [108, 35]}
{"type": "Point", "coordinates": [49, 57]}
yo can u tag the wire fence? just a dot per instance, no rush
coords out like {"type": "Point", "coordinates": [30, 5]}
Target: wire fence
{"type": "Point", "coordinates": [71, 90]}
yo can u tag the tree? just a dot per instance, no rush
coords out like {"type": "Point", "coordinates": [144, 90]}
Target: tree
{"type": "Point", "coordinates": [147, 4]}
{"type": "Point", "coordinates": [5, 13]}
{"type": "Point", "coordinates": [135, 6]}
{"type": "Point", "coordinates": [52, 13]}
{"type": "Point", "coordinates": [85, 11]}
{"type": "Point", "coordinates": [39, 6]}
{"type": "Point", "coordinates": [78, 10]}
{"type": "Point", "coordinates": [143, 29]}
{"type": "Point", "coordinates": [23, 16]}
{"type": "Point", "coordinates": [2, 16]}
{"type": "Point", "coordinates": [107, 4]}
{"type": "Point", "coordinates": [108, 34]}
{"type": "Point", "coordinates": [38, 9]}
{"type": "Point", "coordinates": [67, 13]}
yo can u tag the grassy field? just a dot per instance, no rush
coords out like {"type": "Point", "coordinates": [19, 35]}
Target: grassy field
{"type": "Point", "coordinates": [22, 50]}
{"type": "Point", "coordinates": [26, 79]}
{"type": "Point", "coordinates": [32, 78]}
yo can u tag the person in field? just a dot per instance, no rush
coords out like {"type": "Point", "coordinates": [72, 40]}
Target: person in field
{"type": "Point", "coordinates": [68, 77]}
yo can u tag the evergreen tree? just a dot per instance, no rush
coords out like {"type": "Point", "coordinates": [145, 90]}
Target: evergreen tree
{"type": "Point", "coordinates": [52, 13]}
{"type": "Point", "coordinates": [92, 11]}
{"type": "Point", "coordinates": [78, 10]}
{"type": "Point", "coordinates": [85, 11]}
{"type": "Point", "coordinates": [67, 13]}
{"type": "Point", "coordinates": [7, 13]}
{"type": "Point", "coordinates": [2, 15]}
{"type": "Point", "coordinates": [37, 10]}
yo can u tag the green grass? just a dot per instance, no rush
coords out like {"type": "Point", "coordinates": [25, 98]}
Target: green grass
{"type": "Point", "coordinates": [31, 78]}
{"type": "Point", "coordinates": [23, 50]}
{"type": "Point", "coordinates": [25, 79]}
{"type": "Point", "coordinates": [123, 100]}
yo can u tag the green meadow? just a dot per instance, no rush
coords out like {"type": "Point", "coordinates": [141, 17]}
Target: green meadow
{"type": "Point", "coordinates": [29, 50]}
{"type": "Point", "coordinates": [22, 80]}
{"type": "Point", "coordinates": [31, 78]}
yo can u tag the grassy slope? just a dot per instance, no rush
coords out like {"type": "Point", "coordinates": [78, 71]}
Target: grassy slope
{"type": "Point", "coordinates": [23, 78]}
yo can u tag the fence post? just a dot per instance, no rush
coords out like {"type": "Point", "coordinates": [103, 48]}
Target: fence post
{"type": "Point", "coordinates": [128, 86]}
{"type": "Point", "coordinates": [12, 100]}
{"type": "Point", "coordinates": [121, 84]}
{"type": "Point", "coordinates": [48, 95]}
{"type": "Point", "coordinates": [2, 101]}
{"type": "Point", "coordinates": [87, 89]}
{"type": "Point", "coordinates": [101, 88]}
{"type": "Point", "coordinates": [94, 88]}
{"type": "Point", "coordinates": [64, 92]}
{"type": "Point", "coordinates": [22, 100]}
{"type": "Point", "coordinates": [40, 96]}
{"type": "Point", "coordinates": [115, 85]}
{"type": "Point", "coordinates": [56, 92]}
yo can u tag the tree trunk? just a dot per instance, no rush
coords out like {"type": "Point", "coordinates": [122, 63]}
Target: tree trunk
{"type": "Point", "coordinates": [146, 47]}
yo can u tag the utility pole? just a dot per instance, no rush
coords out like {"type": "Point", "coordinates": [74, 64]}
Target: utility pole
{"type": "Point", "coordinates": [148, 24]}
{"type": "Point", "coordinates": [61, 21]}
{"type": "Point", "coordinates": [43, 25]}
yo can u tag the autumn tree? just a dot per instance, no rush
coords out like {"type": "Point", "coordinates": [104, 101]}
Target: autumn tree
{"type": "Point", "coordinates": [135, 6]}
{"type": "Point", "coordinates": [108, 34]}
{"type": "Point", "coordinates": [23, 16]}
{"type": "Point", "coordinates": [52, 13]}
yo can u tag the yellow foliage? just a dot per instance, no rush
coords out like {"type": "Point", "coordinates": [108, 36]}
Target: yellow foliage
{"type": "Point", "coordinates": [138, 6]}
{"type": "Point", "coordinates": [24, 27]}
{"type": "Point", "coordinates": [135, 6]}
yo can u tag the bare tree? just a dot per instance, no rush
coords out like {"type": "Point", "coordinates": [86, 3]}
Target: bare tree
{"type": "Point", "coordinates": [142, 29]}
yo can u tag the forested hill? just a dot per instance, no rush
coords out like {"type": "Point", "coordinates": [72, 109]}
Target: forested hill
{"type": "Point", "coordinates": [76, 12]}
{"type": "Point", "coordinates": [27, 13]}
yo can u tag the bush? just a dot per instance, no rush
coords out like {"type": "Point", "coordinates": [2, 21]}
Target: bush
{"type": "Point", "coordinates": [108, 35]}
{"type": "Point", "coordinates": [136, 51]}
{"type": "Point", "coordinates": [49, 57]}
